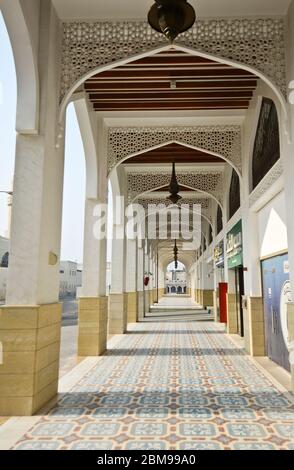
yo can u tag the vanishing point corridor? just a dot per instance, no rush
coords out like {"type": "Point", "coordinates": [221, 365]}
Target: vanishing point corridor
{"type": "Point", "coordinates": [167, 384]}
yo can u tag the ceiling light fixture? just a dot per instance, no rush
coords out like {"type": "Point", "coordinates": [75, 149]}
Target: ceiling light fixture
{"type": "Point", "coordinates": [174, 188]}
{"type": "Point", "coordinates": [176, 254]}
{"type": "Point", "coordinates": [171, 17]}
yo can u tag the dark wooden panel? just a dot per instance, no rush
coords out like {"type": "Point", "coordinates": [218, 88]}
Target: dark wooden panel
{"type": "Point", "coordinates": [171, 74]}
{"type": "Point", "coordinates": [155, 85]}
{"type": "Point", "coordinates": [170, 95]}
{"type": "Point", "coordinates": [145, 84]}
{"type": "Point", "coordinates": [143, 105]}
{"type": "Point", "coordinates": [173, 153]}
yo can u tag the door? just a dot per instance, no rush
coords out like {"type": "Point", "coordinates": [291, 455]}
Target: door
{"type": "Point", "coordinates": [239, 289]}
{"type": "Point", "coordinates": [276, 293]}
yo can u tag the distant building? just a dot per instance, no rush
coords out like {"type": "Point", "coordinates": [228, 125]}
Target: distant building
{"type": "Point", "coordinates": [176, 282]}
{"type": "Point", "coordinates": [70, 279]}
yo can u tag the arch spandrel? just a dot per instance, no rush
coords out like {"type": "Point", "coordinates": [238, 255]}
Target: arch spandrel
{"type": "Point", "coordinates": [205, 181]}
{"type": "Point", "coordinates": [257, 44]}
{"type": "Point", "coordinates": [223, 141]}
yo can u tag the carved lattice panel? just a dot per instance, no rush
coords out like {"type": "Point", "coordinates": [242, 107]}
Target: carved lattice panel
{"type": "Point", "coordinates": [255, 42]}
{"type": "Point", "coordinates": [207, 181]}
{"type": "Point", "coordinates": [222, 140]}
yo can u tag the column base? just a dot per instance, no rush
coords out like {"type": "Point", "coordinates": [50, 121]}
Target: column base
{"type": "Point", "coordinates": [254, 333]}
{"type": "Point", "coordinates": [30, 337]}
{"type": "Point", "coordinates": [151, 297]}
{"type": "Point", "coordinates": [132, 307]}
{"type": "Point", "coordinates": [200, 296]}
{"type": "Point", "coordinates": [92, 337]}
{"type": "Point", "coordinates": [207, 298]}
{"type": "Point", "coordinates": [140, 295]}
{"type": "Point", "coordinates": [146, 301]}
{"type": "Point", "coordinates": [160, 293]}
{"type": "Point", "coordinates": [232, 322]}
{"type": "Point", "coordinates": [117, 323]}
{"type": "Point", "coordinates": [215, 304]}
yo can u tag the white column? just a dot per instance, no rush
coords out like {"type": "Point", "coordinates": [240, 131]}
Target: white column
{"type": "Point", "coordinates": [131, 280]}
{"type": "Point", "coordinates": [94, 265]}
{"type": "Point", "coordinates": [140, 280]}
{"type": "Point", "coordinates": [118, 298]}
{"type": "Point", "coordinates": [33, 276]}
{"type": "Point", "coordinates": [146, 273]}
{"type": "Point", "coordinates": [131, 266]}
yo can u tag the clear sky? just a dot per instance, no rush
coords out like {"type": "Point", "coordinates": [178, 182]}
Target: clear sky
{"type": "Point", "coordinates": [74, 178]}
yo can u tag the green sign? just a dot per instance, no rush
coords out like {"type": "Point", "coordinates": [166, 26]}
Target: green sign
{"type": "Point", "coordinates": [234, 246]}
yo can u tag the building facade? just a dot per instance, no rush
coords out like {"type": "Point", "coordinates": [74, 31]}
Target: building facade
{"type": "Point", "coordinates": [70, 279]}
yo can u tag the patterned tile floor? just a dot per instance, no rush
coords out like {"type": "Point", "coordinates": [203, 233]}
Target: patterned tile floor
{"type": "Point", "coordinates": [169, 385]}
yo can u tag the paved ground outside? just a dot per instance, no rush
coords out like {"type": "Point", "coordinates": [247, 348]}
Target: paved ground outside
{"type": "Point", "coordinates": [69, 312]}
{"type": "Point", "coordinates": [170, 384]}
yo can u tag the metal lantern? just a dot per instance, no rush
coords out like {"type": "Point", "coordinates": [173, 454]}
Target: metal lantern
{"type": "Point", "coordinates": [171, 17]}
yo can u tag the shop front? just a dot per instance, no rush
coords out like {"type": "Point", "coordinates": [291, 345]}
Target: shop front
{"type": "Point", "coordinates": [236, 279]}
{"type": "Point", "coordinates": [221, 286]}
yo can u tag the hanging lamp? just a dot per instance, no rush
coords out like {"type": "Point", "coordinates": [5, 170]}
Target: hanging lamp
{"type": "Point", "coordinates": [174, 188]}
{"type": "Point", "coordinates": [171, 17]}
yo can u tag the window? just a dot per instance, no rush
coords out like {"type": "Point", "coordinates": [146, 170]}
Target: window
{"type": "Point", "coordinates": [234, 197]}
{"type": "Point", "coordinates": [219, 220]}
{"type": "Point", "coordinates": [267, 142]}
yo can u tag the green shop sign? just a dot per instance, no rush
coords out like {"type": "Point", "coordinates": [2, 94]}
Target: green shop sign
{"type": "Point", "coordinates": [234, 246]}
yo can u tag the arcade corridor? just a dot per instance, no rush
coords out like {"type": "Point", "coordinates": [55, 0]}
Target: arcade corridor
{"type": "Point", "coordinates": [169, 384]}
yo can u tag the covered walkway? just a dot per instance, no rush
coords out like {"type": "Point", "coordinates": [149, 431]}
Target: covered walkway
{"type": "Point", "coordinates": [173, 384]}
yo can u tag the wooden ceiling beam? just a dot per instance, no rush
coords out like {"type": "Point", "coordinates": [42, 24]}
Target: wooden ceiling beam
{"type": "Point", "coordinates": [172, 105]}
{"type": "Point", "coordinates": [165, 85]}
{"type": "Point", "coordinates": [172, 94]}
{"type": "Point", "coordinates": [172, 74]}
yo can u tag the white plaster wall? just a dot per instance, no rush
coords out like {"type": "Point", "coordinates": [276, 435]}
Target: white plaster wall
{"type": "Point", "coordinates": [272, 227]}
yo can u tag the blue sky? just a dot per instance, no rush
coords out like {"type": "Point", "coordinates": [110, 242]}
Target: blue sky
{"type": "Point", "coordinates": [74, 179]}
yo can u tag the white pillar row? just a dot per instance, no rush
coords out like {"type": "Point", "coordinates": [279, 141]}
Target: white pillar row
{"type": "Point", "coordinates": [93, 303]}
{"type": "Point", "coordinates": [95, 248]}
{"type": "Point", "coordinates": [140, 279]}
{"type": "Point", "coordinates": [131, 280]}
{"type": "Point", "coordinates": [33, 273]}
{"type": "Point", "coordinates": [118, 298]}
{"type": "Point", "coordinates": [161, 279]}
{"type": "Point", "coordinates": [146, 273]}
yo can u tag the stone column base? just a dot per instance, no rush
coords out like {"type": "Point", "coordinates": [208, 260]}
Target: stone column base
{"type": "Point", "coordinates": [160, 293]}
{"type": "Point", "coordinates": [146, 301]}
{"type": "Point", "coordinates": [132, 307]}
{"type": "Point", "coordinates": [151, 297]}
{"type": "Point", "coordinates": [207, 298]}
{"type": "Point", "coordinates": [215, 303]}
{"type": "Point", "coordinates": [254, 333]}
{"type": "Point", "coordinates": [92, 337]}
{"type": "Point", "coordinates": [117, 323]}
{"type": "Point", "coordinates": [232, 321]}
{"type": "Point", "coordinates": [140, 295]}
{"type": "Point", "coordinates": [30, 338]}
{"type": "Point", "coordinates": [200, 296]}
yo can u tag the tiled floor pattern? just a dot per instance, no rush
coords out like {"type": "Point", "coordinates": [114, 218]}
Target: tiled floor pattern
{"type": "Point", "coordinates": [179, 385]}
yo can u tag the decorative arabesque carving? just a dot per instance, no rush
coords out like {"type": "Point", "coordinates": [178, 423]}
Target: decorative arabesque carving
{"type": "Point", "coordinates": [266, 183]}
{"type": "Point", "coordinates": [209, 181]}
{"type": "Point", "coordinates": [255, 42]}
{"type": "Point", "coordinates": [127, 141]}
